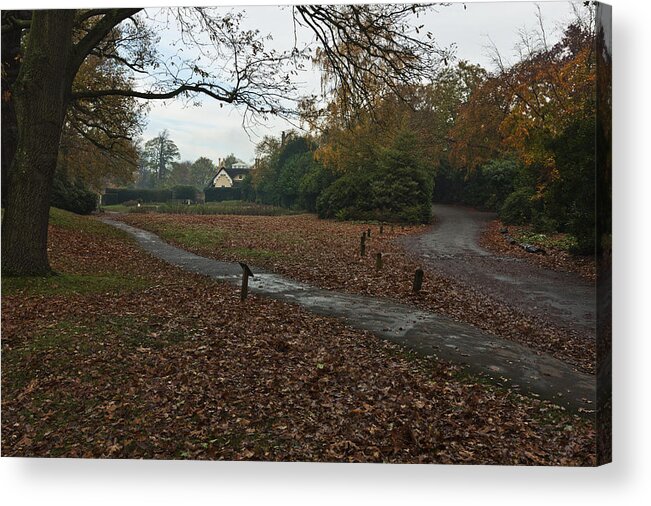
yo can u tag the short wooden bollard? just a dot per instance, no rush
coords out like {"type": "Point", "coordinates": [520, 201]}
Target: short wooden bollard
{"type": "Point", "coordinates": [368, 233]}
{"type": "Point", "coordinates": [381, 229]}
{"type": "Point", "coordinates": [418, 280]}
{"type": "Point", "coordinates": [246, 272]}
{"type": "Point", "coordinates": [362, 245]}
{"type": "Point", "coordinates": [378, 261]}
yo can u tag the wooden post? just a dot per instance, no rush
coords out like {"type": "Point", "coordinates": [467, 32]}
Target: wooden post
{"type": "Point", "coordinates": [378, 261]}
{"type": "Point", "coordinates": [381, 229]}
{"type": "Point", "coordinates": [246, 272]}
{"type": "Point", "coordinates": [418, 280]}
{"type": "Point", "coordinates": [368, 233]}
{"type": "Point", "coordinates": [362, 245]}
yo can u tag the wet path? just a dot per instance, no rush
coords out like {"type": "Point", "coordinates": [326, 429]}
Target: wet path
{"type": "Point", "coordinates": [452, 247]}
{"type": "Point", "coordinates": [424, 332]}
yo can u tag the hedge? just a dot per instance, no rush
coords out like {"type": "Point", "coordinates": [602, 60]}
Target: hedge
{"type": "Point", "coordinates": [119, 195]}
{"type": "Point", "coordinates": [220, 194]}
{"type": "Point", "coordinates": [184, 192]}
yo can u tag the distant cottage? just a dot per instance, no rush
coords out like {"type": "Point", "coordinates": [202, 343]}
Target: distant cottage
{"type": "Point", "coordinates": [230, 177]}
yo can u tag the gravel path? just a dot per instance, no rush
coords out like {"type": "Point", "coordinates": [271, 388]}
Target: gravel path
{"type": "Point", "coordinates": [451, 247]}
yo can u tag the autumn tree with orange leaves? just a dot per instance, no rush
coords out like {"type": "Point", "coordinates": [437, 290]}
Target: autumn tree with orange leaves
{"type": "Point", "coordinates": [540, 112]}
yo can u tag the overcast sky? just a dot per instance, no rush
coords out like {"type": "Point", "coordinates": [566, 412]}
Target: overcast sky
{"type": "Point", "coordinates": [214, 132]}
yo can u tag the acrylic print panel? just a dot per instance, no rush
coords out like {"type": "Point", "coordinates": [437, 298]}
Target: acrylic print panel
{"type": "Point", "coordinates": [370, 237]}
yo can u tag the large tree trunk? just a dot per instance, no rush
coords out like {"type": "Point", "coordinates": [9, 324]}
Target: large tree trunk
{"type": "Point", "coordinates": [41, 95]}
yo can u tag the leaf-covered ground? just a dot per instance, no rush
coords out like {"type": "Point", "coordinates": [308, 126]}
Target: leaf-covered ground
{"type": "Point", "coordinates": [325, 253]}
{"type": "Point", "coordinates": [556, 255]}
{"type": "Point", "coordinates": [172, 365]}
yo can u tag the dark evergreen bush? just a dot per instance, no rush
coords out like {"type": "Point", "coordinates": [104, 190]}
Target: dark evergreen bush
{"type": "Point", "coordinates": [72, 196]}
{"type": "Point", "coordinates": [396, 186]}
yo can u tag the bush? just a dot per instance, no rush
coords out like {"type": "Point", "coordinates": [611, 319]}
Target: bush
{"type": "Point", "coordinates": [72, 196]}
{"type": "Point", "coordinates": [344, 198]}
{"type": "Point", "coordinates": [517, 208]}
{"type": "Point", "coordinates": [572, 197]}
{"type": "Point", "coordinates": [396, 186]}
{"type": "Point", "coordinates": [543, 224]}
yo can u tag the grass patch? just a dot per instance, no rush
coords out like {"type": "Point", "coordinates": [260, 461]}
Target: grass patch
{"type": "Point", "coordinates": [255, 254]}
{"type": "Point", "coordinates": [72, 340]}
{"type": "Point", "coordinates": [207, 236]}
{"type": "Point", "coordinates": [116, 208]}
{"type": "Point", "coordinates": [76, 222]}
{"type": "Point", "coordinates": [236, 207]}
{"type": "Point", "coordinates": [193, 236]}
{"type": "Point", "coordinates": [66, 335]}
{"type": "Point", "coordinates": [564, 242]}
{"type": "Point", "coordinates": [70, 284]}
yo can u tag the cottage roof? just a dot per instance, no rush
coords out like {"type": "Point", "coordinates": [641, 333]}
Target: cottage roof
{"type": "Point", "coordinates": [233, 173]}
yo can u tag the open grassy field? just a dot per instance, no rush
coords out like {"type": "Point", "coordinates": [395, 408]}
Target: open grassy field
{"type": "Point", "coordinates": [159, 363]}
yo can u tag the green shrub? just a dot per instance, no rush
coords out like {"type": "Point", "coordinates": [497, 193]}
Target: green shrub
{"type": "Point", "coordinates": [396, 186]}
{"type": "Point", "coordinates": [345, 194]}
{"type": "Point", "coordinates": [485, 187]}
{"type": "Point", "coordinates": [543, 224]}
{"type": "Point", "coordinates": [72, 196]}
{"type": "Point", "coordinates": [517, 208]}
{"type": "Point", "coordinates": [342, 215]}
{"type": "Point", "coordinates": [572, 197]}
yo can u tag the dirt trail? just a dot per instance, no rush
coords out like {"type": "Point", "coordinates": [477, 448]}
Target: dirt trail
{"type": "Point", "coordinates": [451, 247]}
